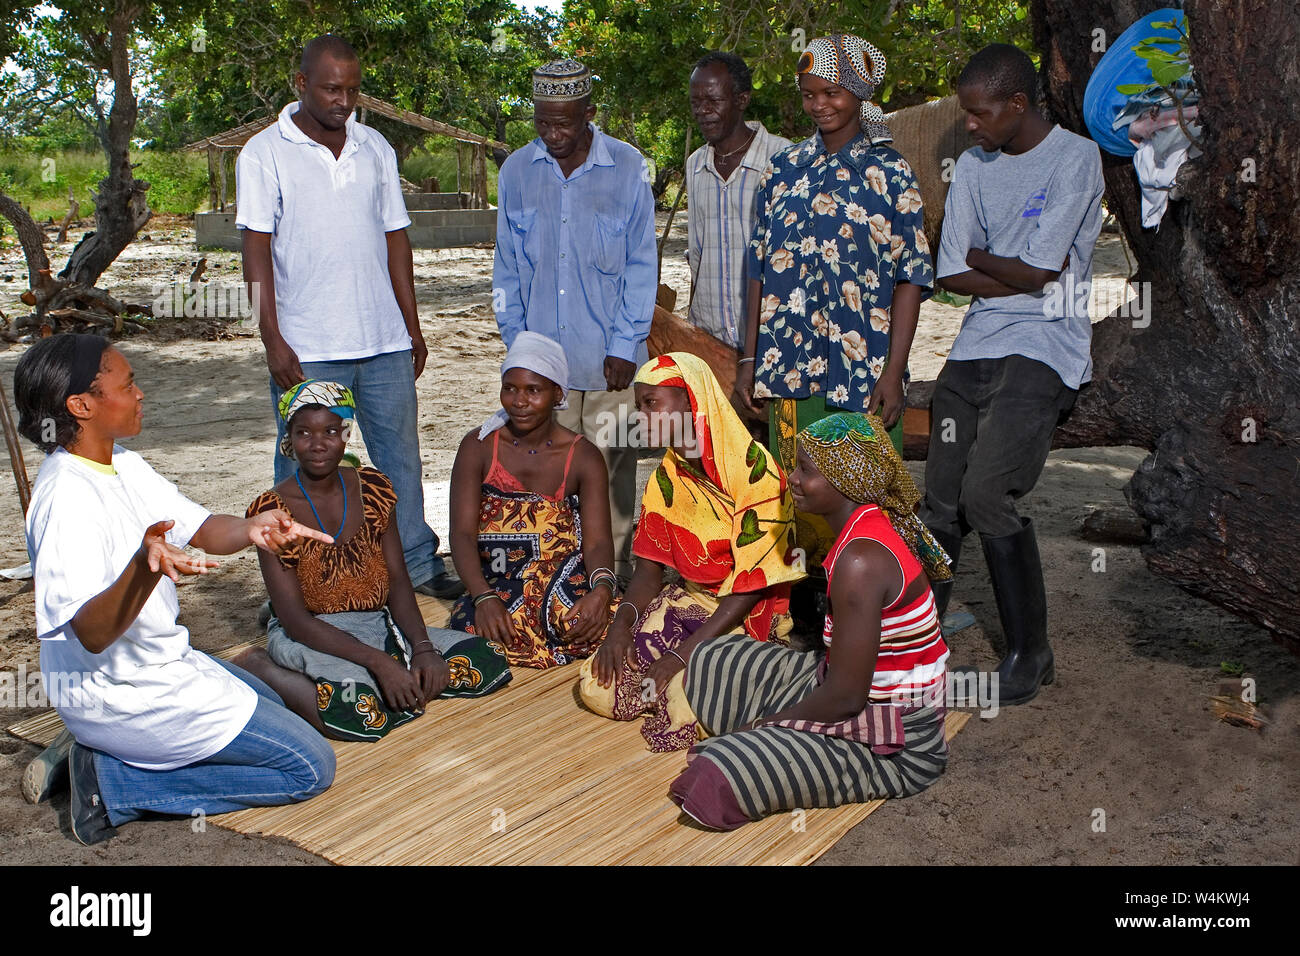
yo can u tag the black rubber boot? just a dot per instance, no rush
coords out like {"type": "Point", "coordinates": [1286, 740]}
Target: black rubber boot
{"type": "Point", "coordinates": [1017, 575]}
{"type": "Point", "coordinates": [950, 543]}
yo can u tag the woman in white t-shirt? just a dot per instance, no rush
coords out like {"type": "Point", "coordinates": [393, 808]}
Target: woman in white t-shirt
{"type": "Point", "coordinates": [155, 726]}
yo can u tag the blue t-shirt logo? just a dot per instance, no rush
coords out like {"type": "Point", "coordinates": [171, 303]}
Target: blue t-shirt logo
{"type": "Point", "coordinates": [1035, 205]}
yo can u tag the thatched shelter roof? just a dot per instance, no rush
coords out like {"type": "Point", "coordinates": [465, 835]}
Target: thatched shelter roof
{"type": "Point", "coordinates": [239, 135]}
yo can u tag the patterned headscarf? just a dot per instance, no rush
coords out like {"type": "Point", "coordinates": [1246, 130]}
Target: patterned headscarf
{"type": "Point", "coordinates": [853, 452]}
{"type": "Point", "coordinates": [337, 398]}
{"type": "Point", "coordinates": [851, 62]}
{"type": "Point", "coordinates": [730, 529]}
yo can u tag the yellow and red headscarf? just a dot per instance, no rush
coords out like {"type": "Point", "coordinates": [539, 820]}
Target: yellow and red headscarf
{"type": "Point", "coordinates": [728, 523]}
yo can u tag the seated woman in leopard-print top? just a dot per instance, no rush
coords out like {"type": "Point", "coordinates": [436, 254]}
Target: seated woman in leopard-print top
{"type": "Point", "coordinates": [347, 647]}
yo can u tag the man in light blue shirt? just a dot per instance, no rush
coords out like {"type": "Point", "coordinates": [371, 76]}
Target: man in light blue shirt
{"type": "Point", "coordinates": [576, 261]}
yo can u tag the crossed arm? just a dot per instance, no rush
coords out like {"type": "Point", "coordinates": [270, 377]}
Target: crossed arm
{"type": "Point", "coordinates": [991, 276]}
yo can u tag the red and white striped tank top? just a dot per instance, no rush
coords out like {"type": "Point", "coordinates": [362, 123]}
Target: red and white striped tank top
{"type": "Point", "coordinates": [913, 655]}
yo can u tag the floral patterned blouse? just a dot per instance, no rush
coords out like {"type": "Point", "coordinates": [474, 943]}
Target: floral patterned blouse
{"type": "Point", "coordinates": [835, 234]}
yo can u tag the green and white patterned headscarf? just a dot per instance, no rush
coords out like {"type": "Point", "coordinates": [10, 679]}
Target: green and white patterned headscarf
{"type": "Point", "coordinates": [855, 455]}
{"type": "Point", "coordinates": [337, 398]}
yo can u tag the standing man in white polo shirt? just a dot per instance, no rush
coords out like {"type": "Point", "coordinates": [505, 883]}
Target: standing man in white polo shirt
{"type": "Point", "coordinates": [329, 265]}
{"type": "Point", "coordinates": [722, 183]}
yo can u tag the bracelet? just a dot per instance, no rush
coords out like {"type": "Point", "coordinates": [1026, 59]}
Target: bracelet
{"type": "Point", "coordinates": [609, 579]}
{"type": "Point", "coordinates": [486, 596]}
{"type": "Point", "coordinates": [627, 603]}
{"type": "Point", "coordinates": [425, 641]}
{"type": "Point", "coordinates": [745, 360]}
{"type": "Point", "coordinates": [678, 656]}
{"type": "Point", "coordinates": [591, 578]}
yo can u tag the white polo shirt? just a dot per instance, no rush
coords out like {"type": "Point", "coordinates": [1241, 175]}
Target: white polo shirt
{"type": "Point", "coordinates": [327, 218]}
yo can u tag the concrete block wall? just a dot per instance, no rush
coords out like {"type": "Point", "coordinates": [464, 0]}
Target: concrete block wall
{"type": "Point", "coordinates": [429, 229]}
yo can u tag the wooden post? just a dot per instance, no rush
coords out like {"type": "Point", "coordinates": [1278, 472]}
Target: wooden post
{"type": "Point", "coordinates": [221, 160]}
{"type": "Point", "coordinates": [459, 194]}
{"type": "Point", "coordinates": [15, 453]}
{"type": "Point", "coordinates": [480, 176]}
{"type": "Point", "coordinates": [213, 153]}
{"type": "Point", "coordinates": [362, 118]}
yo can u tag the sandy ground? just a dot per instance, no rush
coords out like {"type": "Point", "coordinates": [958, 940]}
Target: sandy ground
{"type": "Point", "coordinates": [1126, 730]}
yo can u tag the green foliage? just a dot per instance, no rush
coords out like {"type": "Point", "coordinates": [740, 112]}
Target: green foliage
{"type": "Point", "coordinates": [27, 173]}
{"type": "Point", "coordinates": [200, 68]}
{"type": "Point", "coordinates": [944, 297]}
{"type": "Point", "coordinates": [178, 181]}
{"type": "Point", "coordinates": [643, 51]}
{"type": "Point", "coordinates": [437, 157]}
{"type": "Point", "coordinates": [61, 61]}
{"type": "Point", "coordinates": [1168, 59]}
{"type": "Point", "coordinates": [464, 62]}
{"type": "Point", "coordinates": [1232, 668]}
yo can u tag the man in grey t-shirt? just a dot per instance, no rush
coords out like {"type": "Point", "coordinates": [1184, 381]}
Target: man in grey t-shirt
{"type": "Point", "coordinates": [1020, 223]}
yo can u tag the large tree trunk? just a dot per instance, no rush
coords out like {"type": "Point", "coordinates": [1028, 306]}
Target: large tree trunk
{"type": "Point", "coordinates": [1210, 386]}
{"type": "Point", "coordinates": [121, 207]}
{"type": "Point", "coordinates": [30, 238]}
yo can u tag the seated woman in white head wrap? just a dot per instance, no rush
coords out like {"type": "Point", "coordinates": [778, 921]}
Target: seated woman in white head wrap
{"type": "Point", "coordinates": [530, 529]}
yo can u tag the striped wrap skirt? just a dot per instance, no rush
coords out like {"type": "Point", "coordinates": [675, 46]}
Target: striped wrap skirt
{"type": "Point", "coordinates": [735, 776]}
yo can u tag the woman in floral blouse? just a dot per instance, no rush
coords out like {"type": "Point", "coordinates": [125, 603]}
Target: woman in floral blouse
{"type": "Point", "coordinates": [839, 262]}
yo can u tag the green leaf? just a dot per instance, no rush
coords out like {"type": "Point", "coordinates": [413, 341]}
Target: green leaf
{"type": "Point", "coordinates": [665, 485]}
{"type": "Point", "coordinates": [1155, 53]}
{"type": "Point", "coordinates": [1167, 74]}
{"type": "Point", "coordinates": [749, 530]}
{"type": "Point", "coordinates": [1132, 89]}
{"type": "Point", "coordinates": [758, 464]}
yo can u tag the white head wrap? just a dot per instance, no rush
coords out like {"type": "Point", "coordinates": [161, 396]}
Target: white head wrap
{"type": "Point", "coordinates": [532, 352]}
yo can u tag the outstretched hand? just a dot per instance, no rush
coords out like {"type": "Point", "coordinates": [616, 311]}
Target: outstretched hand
{"type": "Point", "coordinates": [275, 530]}
{"type": "Point", "coordinates": [167, 558]}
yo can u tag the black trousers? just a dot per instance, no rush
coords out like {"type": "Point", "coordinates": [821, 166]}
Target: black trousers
{"type": "Point", "coordinates": [991, 424]}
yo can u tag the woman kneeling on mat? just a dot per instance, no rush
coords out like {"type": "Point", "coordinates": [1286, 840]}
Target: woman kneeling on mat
{"type": "Point", "coordinates": [347, 647]}
{"type": "Point", "coordinates": [865, 722]}
{"type": "Point", "coordinates": [719, 514]}
{"type": "Point", "coordinates": [152, 724]}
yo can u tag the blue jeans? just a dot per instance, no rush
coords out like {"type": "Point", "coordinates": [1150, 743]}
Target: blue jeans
{"type": "Point", "coordinates": [277, 758]}
{"type": "Point", "coordinates": [384, 389]}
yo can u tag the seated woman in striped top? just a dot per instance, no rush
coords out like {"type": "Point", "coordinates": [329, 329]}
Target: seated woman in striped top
{"type": "Point", "coordinates": [867, 720]}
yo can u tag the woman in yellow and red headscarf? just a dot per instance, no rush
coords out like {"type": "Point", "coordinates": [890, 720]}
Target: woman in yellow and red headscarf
{"type": "Point", "coordinates": [718, 512]}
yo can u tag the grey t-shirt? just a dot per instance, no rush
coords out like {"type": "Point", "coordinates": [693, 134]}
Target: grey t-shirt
{"type": "Point", "coordinates": [1037, 206]}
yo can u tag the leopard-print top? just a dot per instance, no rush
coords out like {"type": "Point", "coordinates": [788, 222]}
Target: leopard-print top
{"type": "Point", "coordinates": [347, 576]}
